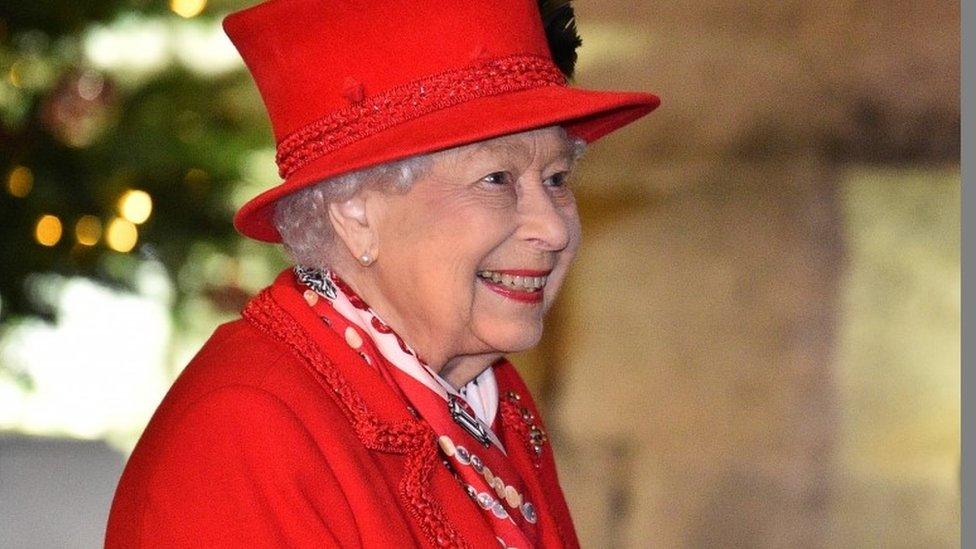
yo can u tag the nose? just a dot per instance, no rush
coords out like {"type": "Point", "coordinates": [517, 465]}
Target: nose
{"type": "Point", "coordinates": [543, 222]}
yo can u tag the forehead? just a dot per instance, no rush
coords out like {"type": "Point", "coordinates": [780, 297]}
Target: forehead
{"type": "Point", "coordinates": [548, 143]}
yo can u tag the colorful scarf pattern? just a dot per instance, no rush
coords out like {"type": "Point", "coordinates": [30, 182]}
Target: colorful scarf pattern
{"type": "Point", "coordinates": [462, 419]}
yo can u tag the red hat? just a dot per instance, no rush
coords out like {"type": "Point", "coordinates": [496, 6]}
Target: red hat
{"type": "Point", "coordinates": [350, 84]}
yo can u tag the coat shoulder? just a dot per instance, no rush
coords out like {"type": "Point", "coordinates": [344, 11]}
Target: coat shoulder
{"type": "Point", "coordinates": [245, 417]}
{"type": "Point", "coordinates": [237, 363]}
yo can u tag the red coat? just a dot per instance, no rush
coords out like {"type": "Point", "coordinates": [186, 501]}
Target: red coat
{"type": "Point", "coordinates": [277, 435]}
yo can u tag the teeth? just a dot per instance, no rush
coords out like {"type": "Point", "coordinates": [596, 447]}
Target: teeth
{"type": "Point", "coordinates": [530, 283]}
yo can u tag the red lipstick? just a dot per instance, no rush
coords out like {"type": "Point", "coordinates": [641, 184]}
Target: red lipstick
{"type": "Point", "coordinates": [525, 296]}
{"type": "Point", "coordinates": [517, 295]}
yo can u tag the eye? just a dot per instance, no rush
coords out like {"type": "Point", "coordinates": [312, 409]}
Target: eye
{"type": "Point", "coordinates": [497, 178]}
{"type": "Point", "coordinates": [558, 179]}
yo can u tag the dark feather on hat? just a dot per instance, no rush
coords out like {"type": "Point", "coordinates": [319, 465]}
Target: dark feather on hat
{"type": "Point", "coordinates": [560, 24]}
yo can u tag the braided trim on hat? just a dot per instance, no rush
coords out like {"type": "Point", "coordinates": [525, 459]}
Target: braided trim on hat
{"type": "Point", "coordinates": [409, 101]}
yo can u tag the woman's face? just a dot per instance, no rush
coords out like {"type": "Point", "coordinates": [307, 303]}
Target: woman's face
{"type": "Point", "coordinates": [470, 259]}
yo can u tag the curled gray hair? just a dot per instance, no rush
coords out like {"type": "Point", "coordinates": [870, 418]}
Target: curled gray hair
{"type": "Point", "coordinates": [302, 217]}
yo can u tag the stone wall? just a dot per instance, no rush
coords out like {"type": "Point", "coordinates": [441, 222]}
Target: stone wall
{"type": "Point", "coordinates": [695, 370]}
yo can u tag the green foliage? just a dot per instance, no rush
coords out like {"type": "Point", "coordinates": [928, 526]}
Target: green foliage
{"type": "Point", "coordinates": [56, 18]}
{"type": "Point", "coordinates": [86, 136]}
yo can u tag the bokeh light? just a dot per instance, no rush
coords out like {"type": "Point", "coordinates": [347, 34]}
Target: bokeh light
{"type": "Point", "coordinates": [121, 235]}
{"type": "Point", "coordinates": [14, 76]}
{"type": "Point", "coordinates": [88, 230]}
{"type": "Point", "coordinates": [187, 8]}
{"type": "Point", "coordinates": [135, 206]}
{"type": "Point", "coordinates": [48, 230]}
{"type": "Point", "coordinates": [20, 181]}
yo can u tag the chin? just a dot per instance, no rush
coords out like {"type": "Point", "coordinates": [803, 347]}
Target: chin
{"type": "Point", "coordinates": [514, 339]}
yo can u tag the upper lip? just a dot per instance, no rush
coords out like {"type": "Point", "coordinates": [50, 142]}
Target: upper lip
{"type": "Point", "coordinates": [520, 272]}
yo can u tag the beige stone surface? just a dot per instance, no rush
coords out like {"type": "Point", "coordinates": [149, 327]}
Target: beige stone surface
{"type": "Point", "coordinates": [898, 361]}
{"type": "Point", "coordinates": [698, 338]}
{"type": "Point", "coordinates": [709, 374]}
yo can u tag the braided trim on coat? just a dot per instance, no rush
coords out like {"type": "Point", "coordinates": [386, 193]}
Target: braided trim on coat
{"type": "Point", "coordinates": [512, 418]}
{"type": "Point", "coordinates": [409, 437]}
{"type": "Point", "coordinates": [511, 415]}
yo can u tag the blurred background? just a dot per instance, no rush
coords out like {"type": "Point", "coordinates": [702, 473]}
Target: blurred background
{"type": "Point", "coordinates": [759, 345]}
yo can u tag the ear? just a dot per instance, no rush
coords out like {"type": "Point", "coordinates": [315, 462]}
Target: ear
{"type": "Point", "coordinates": [352, 224]}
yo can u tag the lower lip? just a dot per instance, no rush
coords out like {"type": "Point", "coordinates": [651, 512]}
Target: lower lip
{"type": "Point", "coordinates": [517, 295]}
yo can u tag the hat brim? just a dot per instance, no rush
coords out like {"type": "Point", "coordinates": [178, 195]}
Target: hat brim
{"type": "Point", "coordinates": [588, 114]}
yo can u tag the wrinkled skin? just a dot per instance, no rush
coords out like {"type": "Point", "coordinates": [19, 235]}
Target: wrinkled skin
{"type": "Point", "coordinates": [500, 204]}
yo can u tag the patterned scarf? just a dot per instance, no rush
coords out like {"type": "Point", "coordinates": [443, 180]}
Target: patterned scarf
{"type": "Point", "coordinates": [461, 419]}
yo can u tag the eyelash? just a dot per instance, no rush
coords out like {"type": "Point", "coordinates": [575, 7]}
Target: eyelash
{"type": "Point", "coordinates": [504, 175]}
{"type": "Point", "coordinates": [561, 177]}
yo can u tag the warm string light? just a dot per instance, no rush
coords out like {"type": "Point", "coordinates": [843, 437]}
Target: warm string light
{"type": "Point", "coordinates": [20, 181]}
{"type": "Point", "coordinates": [135, 206]}
{"type": "Point", "coordinates": [48, 230]}
{"type": "Point", "coordinates": [88, 229]}
{"type": "Point", "coordinates": [14, 76]}
{"type": "Point", "coordinates": [196, 178]}
{"type": "Point", "coordinates": [121, 235]}
{"type": "Point", "coordinates": [187, 8]}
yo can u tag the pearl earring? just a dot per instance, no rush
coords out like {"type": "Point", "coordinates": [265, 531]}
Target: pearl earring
{"type": "Point", "coordinates": [365, 259]}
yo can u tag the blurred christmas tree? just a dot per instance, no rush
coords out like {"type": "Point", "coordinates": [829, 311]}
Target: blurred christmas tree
{"type": "Point", "coordinates": [129, 133]}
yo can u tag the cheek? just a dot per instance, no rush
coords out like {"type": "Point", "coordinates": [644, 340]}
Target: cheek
{"type": "Point", "coordinates": [575, 231]}
{"type": "Point", "coordinates": [470, 229]}
{"type": "Point", "coordinates": [564, 260]}
{"type": "Point", "coordinates": [449, 254]}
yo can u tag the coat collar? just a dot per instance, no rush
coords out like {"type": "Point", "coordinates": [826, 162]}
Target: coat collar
{"type": "Point", "coordinates": [383, 423]}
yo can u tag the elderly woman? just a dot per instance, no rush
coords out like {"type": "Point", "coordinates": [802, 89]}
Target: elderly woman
{"type": "Point", "coordinates": [363, 399]}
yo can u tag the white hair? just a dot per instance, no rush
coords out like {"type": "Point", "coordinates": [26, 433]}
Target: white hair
{"type": "Point", "coordinates": [302, 217]}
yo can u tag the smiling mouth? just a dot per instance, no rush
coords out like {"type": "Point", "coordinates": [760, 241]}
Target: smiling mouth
{"type": "Point", "coordinates": [522, 280]}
